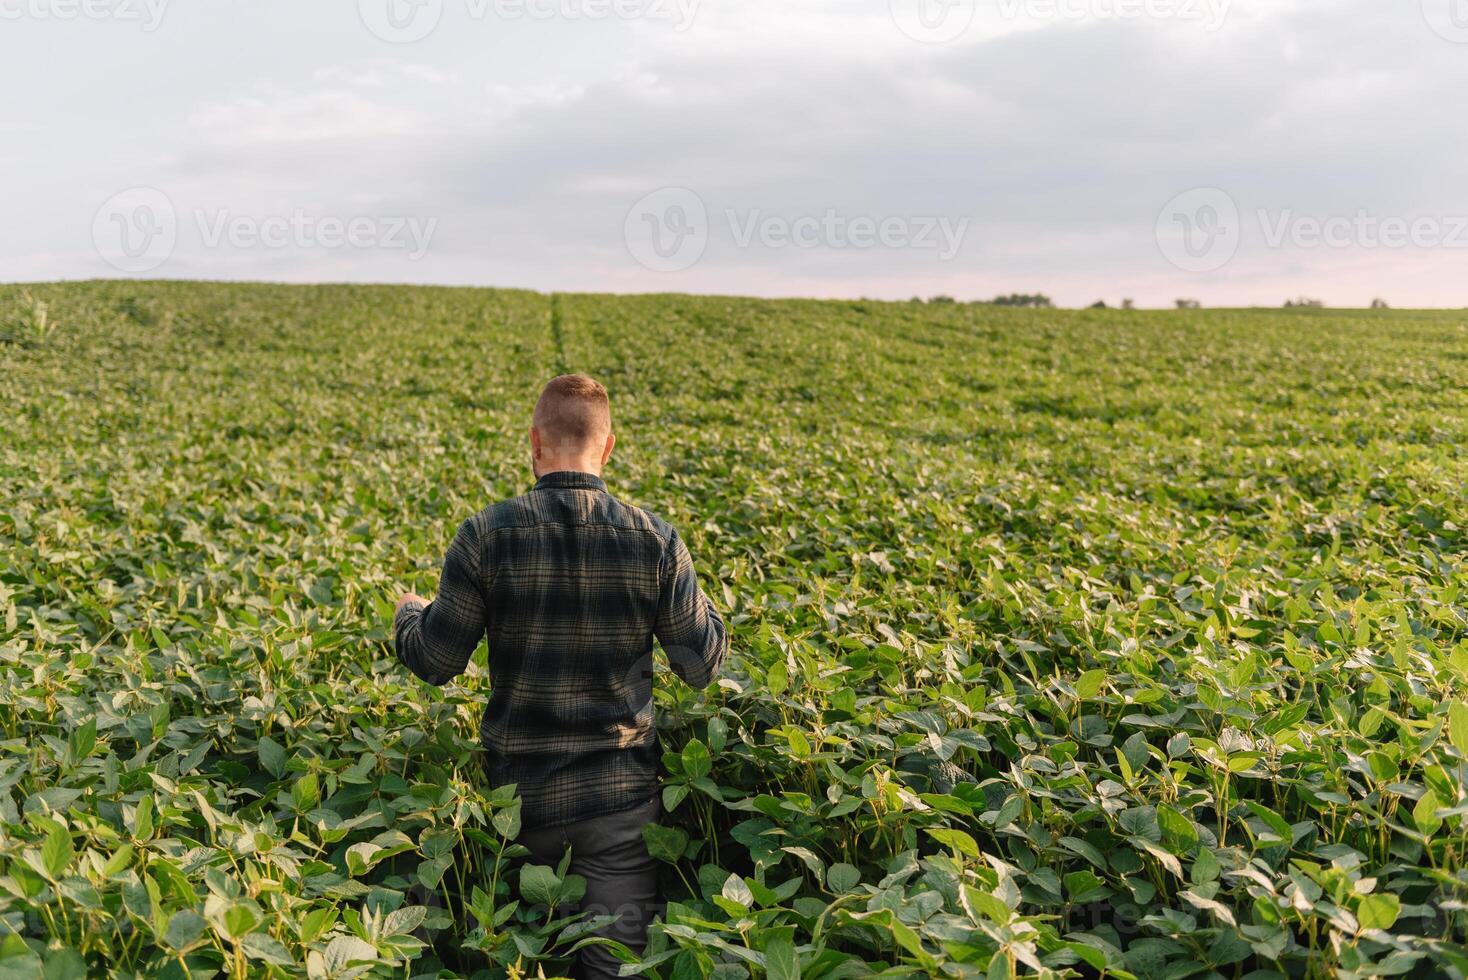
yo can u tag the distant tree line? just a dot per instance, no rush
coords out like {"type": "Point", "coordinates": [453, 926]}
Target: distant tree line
{"type": "Point", "coordinates": [1037, 301]}
{"type": "Point", "coordinates": [1041, 301]}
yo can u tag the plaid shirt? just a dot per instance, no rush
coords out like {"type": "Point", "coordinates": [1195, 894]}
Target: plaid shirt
{"type": "Point", "coordinates": [571, 586]}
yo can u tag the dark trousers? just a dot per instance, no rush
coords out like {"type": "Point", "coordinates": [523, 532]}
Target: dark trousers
{"type": "Point", "coordinates": [621, 877]}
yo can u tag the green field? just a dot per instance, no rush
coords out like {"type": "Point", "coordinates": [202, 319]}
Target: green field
{"type": "Point", "coordinates": [1064, 643]}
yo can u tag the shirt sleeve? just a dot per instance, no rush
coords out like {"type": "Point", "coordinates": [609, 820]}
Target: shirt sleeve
{"type": "Point", "coordinates": [435, 641]}
{"type": "Point", "coordinates": [688, 626]}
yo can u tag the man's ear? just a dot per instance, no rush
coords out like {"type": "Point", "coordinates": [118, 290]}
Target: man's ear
{"type": "Point", "coordinates": [606, 453]}
{"type": "Point", "coordinates": [534, 442]}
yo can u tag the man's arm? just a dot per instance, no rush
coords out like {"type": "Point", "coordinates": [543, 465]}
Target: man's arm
{"type": "Point", "coordinates": [435, 641]}
{"type": "Point", "coordinates": [688, 626]}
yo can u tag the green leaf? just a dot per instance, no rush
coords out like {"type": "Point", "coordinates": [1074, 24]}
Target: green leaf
{"type": "Point", "coordinates": [343, 951]}
{"type": "Point", "coordinates": [142, 824]}
{"type": "Point", "coordinates": [735, 890]}
{"type": "Point", "coordinates": [120, 859]}
{"type": "Point", "coordinates": [506, 821]}
{"type": "Point", "coordinates": [1280, 827]}
{"type": "Point", "coordinates": [65, 964]}
{"type": "Point", "coordinates": [539, 885]}
{"type": "Point", "coordinates": [1094, 958]}
{"type": "Point", "coordinates": [981, 903]}
{"type": "Point", "coordinates": [1163, 857]}
{"type": "Point", "coordinates": [842, 878]}
{"type": "Point", "coordinates": [573, 889]}
{"type": "Point", "coordinates": [906, 937]}
{"type": "Point", "coordinates": [781, 963]}
{"type": "Point", "coordinates": [315, 924]}
{"type": "Point", "coordinates": [1125, 765]}
{"type": "Point", "coordinates": [1243, 761]}
{"type": "Point", "coordinates": [1089, 684]}
{"type": "Point", "coordinates": [956, 839]}
{"type": "Point", "coordinates": [83, 740]}
{"type": "Point", "coordinates": [1458, 726]}
{"type": "Point", "coordinates": [1084, 886]}
{"type": "Point", "coordinates": [799, 744]}
{"type": "Point", "coordinates": [17, 960]}
{"type": "Point", "coordinates": [272, 756]}
{"type": "Point", "coordinates": [777, 679]}
{"type": "Point", "coordinates": [57, 853]}
{"type": "Point", "coordinates": [431, 872]}
{"type": "Point", "coordinates": [239, 919]}
{"type": "Point", "coordinates": [696, 759]}
{"type": "Point", "coordinates": [1009, 812]}
{"type": "Point", "coordinates": [1383, 767]}
{"type": "Point", "coordinates": [708, 787]}
{"type": "Point", "coordinates": [690, 966]}
{"type": "Point", "coordinates": [1378, 911]}
{"type": "Point", "coordinates": [809, 858]}
{"type": "Point", "coordinates": [1178, 832]}
{"type": "Point", "coordinates": [674, 794]}
{"type": "Point", "coordinates": [267, 949]}
{"type": "Point", "coordinates": [1085, 849]}
{"type": "Point", "coordinates": [1424, 814]}
{"type": "Point", "coordinates": [360, 858]}
{"type": "Point", "coordinates": [403, 921]}
{"type": "Point", "coordinates": [184, 929]}
{"type": "Point", "coordinates": [667, 844]}
{"type": "Point", "coordinates": [305, 794]}
{"type": "Point", "coordinates": [718, 732]}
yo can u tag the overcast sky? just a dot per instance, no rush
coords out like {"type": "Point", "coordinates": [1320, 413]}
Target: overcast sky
{"type": "Point", "coordinates": [1234, 152]}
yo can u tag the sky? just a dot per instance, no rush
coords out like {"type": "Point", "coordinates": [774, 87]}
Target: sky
{"type": "Point", "coordinates": [1235, 152]}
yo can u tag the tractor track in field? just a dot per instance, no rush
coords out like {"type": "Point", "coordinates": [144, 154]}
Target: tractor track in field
{"type": "Point", "coordinates": [558, 334]}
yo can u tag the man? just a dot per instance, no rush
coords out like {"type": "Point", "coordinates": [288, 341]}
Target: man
{"type": "Point", "coordinates": [572, 585]}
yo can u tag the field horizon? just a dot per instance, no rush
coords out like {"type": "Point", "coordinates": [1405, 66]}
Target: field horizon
{"type": "Point", "coordinates": [732, 296]}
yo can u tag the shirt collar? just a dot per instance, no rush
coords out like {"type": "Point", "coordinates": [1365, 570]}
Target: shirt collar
{"type": "Point", "coordinates": [569, 480]}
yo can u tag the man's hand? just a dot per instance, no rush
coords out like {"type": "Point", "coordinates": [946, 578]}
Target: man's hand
{"type": "Point", "coordinates": [410, 597]}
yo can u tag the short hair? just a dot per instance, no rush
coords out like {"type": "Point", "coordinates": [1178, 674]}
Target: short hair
{"type": "Point", "coordinates": [573, 413]}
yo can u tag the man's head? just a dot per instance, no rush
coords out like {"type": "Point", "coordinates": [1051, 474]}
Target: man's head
{"type": "Point", "coordinates": [572, 429]}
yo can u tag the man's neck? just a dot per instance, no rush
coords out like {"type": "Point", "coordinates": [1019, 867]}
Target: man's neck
{"type": "Point", "coordinates": [591, 467]}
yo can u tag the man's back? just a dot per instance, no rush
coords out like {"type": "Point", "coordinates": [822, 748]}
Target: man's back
{"type": "Point", "coordinates": [571, 585]}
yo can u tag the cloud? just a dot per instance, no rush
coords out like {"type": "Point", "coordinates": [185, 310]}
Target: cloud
{"type": "Point", "coordinates": [1057, 138]}
{"type": "Point", "coordinates": [277, 116]}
